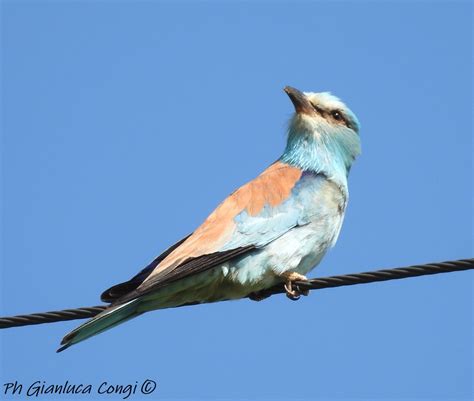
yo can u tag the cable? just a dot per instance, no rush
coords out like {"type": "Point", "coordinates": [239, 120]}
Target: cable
{"type": "Point", "coordinates": [313, 284]}
{"type": "Point", "coordinates": [50, 317]}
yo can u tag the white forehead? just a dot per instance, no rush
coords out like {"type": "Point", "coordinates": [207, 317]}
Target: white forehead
{"type": "Point", "coordinates": [326, 100]}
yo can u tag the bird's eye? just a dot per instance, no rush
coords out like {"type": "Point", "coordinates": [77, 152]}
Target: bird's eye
{"type": "Point", "coordinates": [336, 115]}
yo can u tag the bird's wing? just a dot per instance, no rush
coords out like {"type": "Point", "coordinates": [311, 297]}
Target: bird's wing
{"type": "Point", "coordinates": [251, 217]}
{"type": "Point", "coordinates": [119, 290]}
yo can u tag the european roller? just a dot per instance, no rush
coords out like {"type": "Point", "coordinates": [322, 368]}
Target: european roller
{"type": "Point", "coordinates": [274, 229]}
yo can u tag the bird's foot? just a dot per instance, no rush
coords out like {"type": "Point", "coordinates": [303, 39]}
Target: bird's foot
{"type": "Point", "coordinates": [292, 292]}
{"type": "Point", "coordinates": [258, 296]}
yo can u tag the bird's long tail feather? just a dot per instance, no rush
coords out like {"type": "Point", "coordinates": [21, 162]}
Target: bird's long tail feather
{"type": "Point", "coordinates": [105, 320]}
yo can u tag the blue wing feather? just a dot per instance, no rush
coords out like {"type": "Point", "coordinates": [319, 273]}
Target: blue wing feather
{"type": "Point", "coordinates": [274, 221]}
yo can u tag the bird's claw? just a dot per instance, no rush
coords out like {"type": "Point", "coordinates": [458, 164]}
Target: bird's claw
{"type": "Point", "coordinates": [293, 292]}
{"type": "Point", "coordinates": [258, 296]}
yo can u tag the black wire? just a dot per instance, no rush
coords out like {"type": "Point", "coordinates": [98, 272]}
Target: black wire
{"type": "Point", "coordinates": [314, 284]}
{"type": "Point", "coordinates": [50, 317]}
{"type": "Point", "coordinates": [378, 275]}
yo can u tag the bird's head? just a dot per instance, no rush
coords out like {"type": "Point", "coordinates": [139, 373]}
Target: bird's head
{"type": "Point", "coordinates": [323, 134]}
{"type": "Point", "coordinates": [315, 112]}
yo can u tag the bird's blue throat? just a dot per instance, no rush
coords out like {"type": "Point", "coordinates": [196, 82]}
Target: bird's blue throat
{"type": "Point", "coordinates": [326, 151]}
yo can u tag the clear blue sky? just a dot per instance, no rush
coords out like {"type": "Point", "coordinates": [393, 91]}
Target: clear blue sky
{"type": "Point", "coordinates": [126, 123]}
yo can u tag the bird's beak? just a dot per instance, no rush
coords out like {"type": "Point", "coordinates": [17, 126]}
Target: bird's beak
{"type": "Point", "coordinates": [299, 100]}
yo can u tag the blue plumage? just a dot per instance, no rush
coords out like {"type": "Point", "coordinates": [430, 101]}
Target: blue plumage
{"type": "Point", "coordinates": [274, 229]}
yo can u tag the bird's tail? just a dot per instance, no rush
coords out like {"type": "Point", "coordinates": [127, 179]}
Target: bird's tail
{"type": "Point", "coordinates": [105, 320]}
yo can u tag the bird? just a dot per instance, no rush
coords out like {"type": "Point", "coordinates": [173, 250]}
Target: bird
{"type": "Point", "coordinates": [274, 229]}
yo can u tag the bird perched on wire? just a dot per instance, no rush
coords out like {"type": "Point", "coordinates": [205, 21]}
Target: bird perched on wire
{"type": "Point", "coordinates": [274, 229]}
